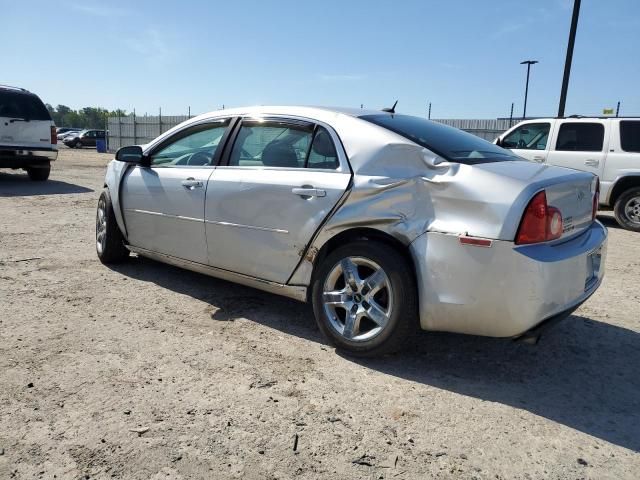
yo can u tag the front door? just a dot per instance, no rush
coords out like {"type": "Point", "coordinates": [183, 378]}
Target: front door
{"type": "Point", "coordinates": [164, 204]}
{"type": "Point", "coordinates": [530, 141]}
{"type": "Point", "coordinates": [281, 180]}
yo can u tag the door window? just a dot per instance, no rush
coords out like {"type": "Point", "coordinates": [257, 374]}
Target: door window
{"type": "Point", "coordinates": [194, 147]}
{"type": "Point", "coordinates": [580, 137]}
{"type": "Point", "coordinates": [532, 136]}
{"type": "Point", "coordinates": [630, 136]}
{"type": "Point", "coordinates": [271, 145]}
{"type": "Point", "coordinates": [323, 152]}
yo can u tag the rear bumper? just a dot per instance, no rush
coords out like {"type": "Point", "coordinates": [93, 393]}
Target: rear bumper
{"type": "Point", "coordinates": [20, 157]}
{"type": "Point", "coordinates": [504, 290]}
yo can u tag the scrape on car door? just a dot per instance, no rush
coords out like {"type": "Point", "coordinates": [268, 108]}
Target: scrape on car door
{"type": "Point", "coordinates": [164, 204]}
{"type": "Point", "coordinates": [280, 181]}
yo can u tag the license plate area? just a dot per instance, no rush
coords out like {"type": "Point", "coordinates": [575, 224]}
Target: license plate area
{"type": "Point", "coordinates": [594, 261]}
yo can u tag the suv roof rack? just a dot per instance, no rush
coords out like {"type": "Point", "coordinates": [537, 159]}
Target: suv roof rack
{"type": "Point", "coordinates": [9, 87]}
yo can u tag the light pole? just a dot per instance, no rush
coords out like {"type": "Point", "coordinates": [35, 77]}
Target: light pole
{"type": "Point", "coordinates": [528, 63]}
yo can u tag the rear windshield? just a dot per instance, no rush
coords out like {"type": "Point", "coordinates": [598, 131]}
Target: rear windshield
{"type": "Point", "coordinates": [449, 143]}
{"type": "Point", "coordinates": [22, 105]}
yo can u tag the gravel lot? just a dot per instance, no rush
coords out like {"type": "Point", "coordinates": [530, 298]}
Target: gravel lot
{"type": "Point", "coordinates": [147, 371]}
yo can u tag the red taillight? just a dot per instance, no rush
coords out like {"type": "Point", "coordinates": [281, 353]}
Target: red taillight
{"type": "Point", "coordinates": [596, 200]}
{"type": "Point", "coordinates": [54, 137]}
{"type": "Point", "coordinates": [540, 223]}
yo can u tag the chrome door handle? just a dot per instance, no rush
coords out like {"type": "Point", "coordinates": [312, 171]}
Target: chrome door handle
{"type": "Point", "coordinates": [538, 158]}
{"type": "Point", "coordinates": [191, 183]}
{"type": "Point", "coordinates": [592, 163]}
{"type": "Point", "coordinates": [309, 192]}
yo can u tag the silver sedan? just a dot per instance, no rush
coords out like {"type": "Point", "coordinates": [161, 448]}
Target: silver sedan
{"type": "Point", "coordinates": [386, 223]}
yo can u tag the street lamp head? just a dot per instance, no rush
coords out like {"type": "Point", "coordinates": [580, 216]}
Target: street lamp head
{"type": "Point", "coordinates": [529, 62]}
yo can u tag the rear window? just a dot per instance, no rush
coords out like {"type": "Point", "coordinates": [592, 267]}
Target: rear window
{"type": "Point", "coordinates": [630, 136]}
{"type": "Point", "coordinates": [22, 105]}
{"type": "Point", "coordinates": [449, 143]}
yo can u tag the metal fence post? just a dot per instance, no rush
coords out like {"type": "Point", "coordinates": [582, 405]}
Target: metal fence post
{"type": "Point", "coordinates": [135, 133]}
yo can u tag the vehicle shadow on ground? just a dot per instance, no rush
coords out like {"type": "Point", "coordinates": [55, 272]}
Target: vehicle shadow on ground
{"type": "Point", "coordinates": [19, 185]}
{"type": "Point", "coordinates": [582, 374]}
{"type": "Point", "coordinates": [609, 222]}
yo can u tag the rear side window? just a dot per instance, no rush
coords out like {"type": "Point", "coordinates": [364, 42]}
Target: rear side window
{"type": "Point", "coordinates": [630, 136]}
{"type": "Point", "coordinates": [449, 143]}
{"type": "Point", "coordinates": [323, 152]}
{"type": "Point", "coordinates": [22, 105]}
{"type": "Point", "coordinates": [271, 145]}
{"type": "Point", "coordinates": [580, 137]}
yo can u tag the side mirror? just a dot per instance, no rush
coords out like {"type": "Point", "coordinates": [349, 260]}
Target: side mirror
{"type": "Point", "coordinates": [498, 142]}
{"type": "Point", "coordinates": [132, 154]}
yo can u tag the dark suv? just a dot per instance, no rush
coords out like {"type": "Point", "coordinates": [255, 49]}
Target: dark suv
{"type": "Point", "coordinates": [86, 138]}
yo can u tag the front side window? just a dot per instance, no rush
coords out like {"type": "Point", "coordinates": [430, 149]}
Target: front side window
{"type": "Point", "coordinates": [580, 137]}
{"type": "Point", "coordinates": [630, 136]}
{"type": "Point", "coordinates": [271, 145]}
{"type": "Point", "coordinates": [532, 136]}
{"type": "Point", "coordinates": [449, 143]}
{"type": "Point", "coordinates": [194, 147]}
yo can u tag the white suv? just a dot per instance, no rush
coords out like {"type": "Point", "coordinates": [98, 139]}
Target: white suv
{"type": "Point", "coordinates": [608, 147]}
{"type": "Point", "coordinates": [27, 133]}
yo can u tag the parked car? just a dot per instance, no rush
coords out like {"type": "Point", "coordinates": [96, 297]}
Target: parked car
{"type": "Point", "coordinates": [63, 132]}
{"type": "Point", "coordinates": [27, 133]}
{"type": "Point", "coordinates": [68, 135]}
{"type": "Point", "coordinates": [384, 222]}
{"type": "Point", "coordinates": [608, 147]}
{"type": "Point", "coordinates": [86, 138]}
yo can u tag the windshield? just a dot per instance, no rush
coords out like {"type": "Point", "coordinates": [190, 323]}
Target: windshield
{"type": "Point", "coordinates": [449, 143]}
{"type": "Point", "coordinates": [22, 105]}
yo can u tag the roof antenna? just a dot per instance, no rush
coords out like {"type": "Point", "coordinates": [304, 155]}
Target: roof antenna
{"type": "Point", "coordinates": [392, 109]}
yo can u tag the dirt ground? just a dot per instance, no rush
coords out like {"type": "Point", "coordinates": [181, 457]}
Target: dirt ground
{"type": "Point", "coordinates": [147, 371]}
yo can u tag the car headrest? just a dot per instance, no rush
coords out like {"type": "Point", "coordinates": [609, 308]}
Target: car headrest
{"type": "Point", "coordinates": [279, 154]}
{"type": "Point", "coordinates": [323, 145]}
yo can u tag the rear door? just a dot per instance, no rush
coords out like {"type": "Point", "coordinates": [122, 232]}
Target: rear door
{"type": "Point", "coordinates": [164, 204]}
{"type": "Point", "coordinates": [24, 120]}
{"type": "Point", "coordinates": [529, 140]}
{"type": "Point", "coordinates": [279, 181]}
{"type": "Point", "coordinates": [581, 145]}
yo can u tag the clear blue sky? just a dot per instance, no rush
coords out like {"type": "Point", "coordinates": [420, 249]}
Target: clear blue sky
{"type": "Point", "coordinates": [462, 55]}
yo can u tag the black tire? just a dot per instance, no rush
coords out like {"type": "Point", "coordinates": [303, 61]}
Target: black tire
{"type": "Point", "coordinates": [625, 203]}
{"type": "Point", "coordinates": [39, 174]}
{"type": "Point", "coordinates": [78, 144]}
{"type": "Point", "coordinates": [110, 247]}
{"type": "Point", "coordinates": [402, 318]}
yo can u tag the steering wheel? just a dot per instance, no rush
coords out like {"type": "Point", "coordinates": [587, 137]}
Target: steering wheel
{"type": "Point", "coordinates": [199, 159]}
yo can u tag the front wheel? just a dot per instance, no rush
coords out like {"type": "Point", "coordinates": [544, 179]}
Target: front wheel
{"type": "Point", "coordinates": [627, 209]}
{"type": "Point", "coordinates": [78, 144]}
{"type": "Point", "coordinates": [109, 239]}
{"type": "Point", "coordinates": [364, 299]}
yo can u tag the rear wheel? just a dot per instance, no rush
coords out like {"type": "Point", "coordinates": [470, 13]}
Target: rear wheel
{"type": "Point", "coordinates": [39, 174]}
{"type": "Point", "coordinates": [627, 209]}
{"type": "Point", "coordinates": [364, 299]}
{"type": "Point", "coordinates": [109, 239]}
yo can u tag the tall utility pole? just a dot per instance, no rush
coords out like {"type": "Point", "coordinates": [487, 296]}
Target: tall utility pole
{"type": "Point", "coordinates": [569, 59]}
{"type": "Point", "coordinates": [429, 114]}
{"type": "Point", "coordinates": [528, 63]}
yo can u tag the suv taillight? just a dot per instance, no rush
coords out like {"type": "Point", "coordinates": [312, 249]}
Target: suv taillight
{"type": "Point", "coordinates": [54, 137]}
{"type": "Point", "coordinates": [596, 199]}
{"type": "Point", "coordinates": [540, 222]}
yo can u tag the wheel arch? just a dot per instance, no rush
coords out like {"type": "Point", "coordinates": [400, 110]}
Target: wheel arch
{"type": "Point", "coordinates": [621, 185]}
{"type": "Point", "coordinates": [358, 234]}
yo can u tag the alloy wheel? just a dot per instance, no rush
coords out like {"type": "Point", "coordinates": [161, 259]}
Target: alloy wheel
{"type": "Point", "coordinates": [101, 225]}
{"type": "Point", "coordinates": [357, 298]}
{"type": "Point", "coordinates": [632, 210]}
